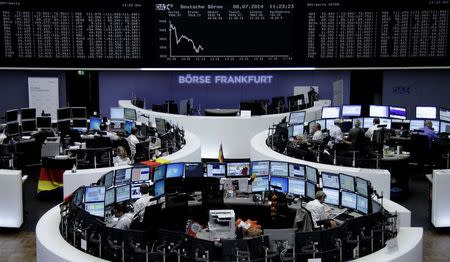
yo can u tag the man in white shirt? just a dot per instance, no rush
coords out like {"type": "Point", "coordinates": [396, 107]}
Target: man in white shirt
{"type": "Point", "coordinates": [132, 141]}
{"type": "Point", "coordinates": [369, 132]}
{"type": "Point", "coordinates": [317, 132]}
{"type": "Point", "coordinates": [144, 201]}
{"type": "Point", "coordinates": [336, 132]}
{"type": "Point", "coordinates": [125, 219]}
{"type": "Point", "coordinates": [106, 133]}
{"type": "Point", "coordinates": [317, 210]}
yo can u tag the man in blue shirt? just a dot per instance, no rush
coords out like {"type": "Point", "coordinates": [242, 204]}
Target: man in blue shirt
{"type": "Point", "coordinates": [428, 131]}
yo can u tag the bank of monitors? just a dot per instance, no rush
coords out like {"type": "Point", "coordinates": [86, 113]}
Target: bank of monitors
{"type": "Point", "coordinates": [159, 188]}
{"type": "Point", "coordinates": [117, 113]}
{"type": "Point", "coordinates": [330, 180]}
{"type": "Point", "coordinates": [279, 184]}
{"type": "Point", "coordinates": [426, 112]}
{"type": "Point", "coordinates": [351, 110]}
{"type": "Point", "coordinates": [108, 179]}
{"type": "Point", "coordinates": [311, 174]}
{"type": "Point", "coordinates": [237, 169]}
{"type": "Point", "coordinates": [260, 168]}
{"type": "Point", "coordinates": [297, 117]}
{"type": "Point", "coordinates": [122, 176]}
{"type": "Point", "coordinates": [444, 114]}
{"type": "Point", "coordinates": [96, 209]}
{"type": "Point", "coordinates": [362, 186]}
{"type": "Point", "coordinates": [445, 127]}
{"type": "Point", "coordinates": [362, 204]}
{"type": "Point", "coordinates": [130, 114]}
{"type": "Point", "coordinates": [331, 112]}
{"type": "Point", "coordinates": [12, 116]}
{"type": "Point", "coordinates": [159, 173]}
{"type": "Point", "coordinates": [397, 112]}
{"type": "Point", "coordinates": [416, 124]}
{"type": "Point", "coordinates": [175, 170]}
{"type": "Point", "coordinates": [140, 174]}
{"type": "Point", "coordinates": [279, 169]}
{"type": "Point", "coordinates": [347, 182]}
{"type": "Point", "coordinates": [296, 130]}
{"type": "Point", "coordinates": [296, 186]}
{"type": "Point", "coordinates": [332, 196]}
{"type": "Point", "coordinates": [110, 196]}
{"type": "Point", "coordinates": [216, 170]}
{"type": "Point", "coordinates": [378, 111]}
{"type": "Point", "coordinates": [123, 193]}
{"type": "Point", "coordinates": [260, 184]}
{"type": "Point", "coordinates": [94, 123]}
{"type": "Point", "coordinates": [348, 199]}
{"type": "Point", "coordinates": [28, 126]}
{"type": "Point", "coordinates": [27, 113]}
{"type": "Point", "coordinates": [192, 170]}
{"type": "Point", "coordinates": [44, 122]}
{"type": "Point", "coordinates": [79, 112]}
{"type": "Point", "coordinates": [296, 170]}
{"type": "Point", "coordinates": [94, 194]}
{"type": "Point", "coordinates": [310, 190]}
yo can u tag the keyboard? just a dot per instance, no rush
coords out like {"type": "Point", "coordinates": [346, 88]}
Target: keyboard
{"type": "Point", "coordinates": [344, 216]}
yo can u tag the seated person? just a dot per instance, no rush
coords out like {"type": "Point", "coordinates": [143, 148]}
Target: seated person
{"type": "Point", "coordinates": [301, 142]}
{"type": "Point", "coordinates": [317, 132]}
{"type": "Point", "coordinates": [144, 201]}
{"type": "Point", "coordinates": [105, 133]}
{"type": "Point", "coordinates": [355, 135]}
{"type": "Point", "coordinates": [317, 210]}
{"type": "Point", "coordinates": [133, 140]}
{"type": "Point", "coordinates": [124, 219]}
{"type": "Point", "coordinates": [429, 131]}
{"type": "Point", "coordinates": [369, 132]}
{"type": "Point", "coordinates": [336, 133]}
{"type": "Point", "coordinates": [121, 159]}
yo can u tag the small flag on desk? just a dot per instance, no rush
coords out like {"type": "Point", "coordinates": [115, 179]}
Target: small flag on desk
{"type": "Point", "coordinates": [221, 158]}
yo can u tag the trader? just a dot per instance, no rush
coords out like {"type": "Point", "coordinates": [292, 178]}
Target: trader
{"type": "Point", "coordinates": [144, 201]}
{"type": "Point", "coordinates": [105, 133]}
{"type": "Point", "coordinates": [355, 135]}
{"type": "Point", "coordinates": [317, 132]}
{"type": "Point", "coordinates": [369, 133]}
{"type": "Point", "coordinates": [125, 219]}
{"type": "Point", "coordinates": [317, 210]}
{"type": "Point", "coordinates": [428, 131]}
{"type": "Point", "coordinates": [132, 141]}
{"type": "Point", "coordinates": [336, 132]}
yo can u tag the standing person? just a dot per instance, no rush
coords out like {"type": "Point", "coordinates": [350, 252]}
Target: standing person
{"type": "Point", "coordinates": [355, 135]}
{"type": "Point", "coordinates": [121, 159]}
{"type": "Point", "coordinates": [369, 133]}
{"type": "Point", "coordinates": [133, 140]}
{"type": "Point", "coordinates": [317, 132]}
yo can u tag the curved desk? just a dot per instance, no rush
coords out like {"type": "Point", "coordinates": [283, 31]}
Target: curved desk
{"type": "Point", "coordinates": [233, 132]}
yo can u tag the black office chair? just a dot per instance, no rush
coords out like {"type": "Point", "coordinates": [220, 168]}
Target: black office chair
{"type": "Point", "coordinates": [420, 149]}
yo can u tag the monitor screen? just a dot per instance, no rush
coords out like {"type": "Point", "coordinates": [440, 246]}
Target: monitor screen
{"type": "Point", "coordinates": [426, 112]}
{"type": "Point", "coordinates": [329, 123]}
{"type": "Point", "coordinates": [279, 168]}
{"type": "Point", "coordinates": [123, 193]}
{"type": "Point", "coordinates": [281, 182]}
{"type": "Point", "coordinates": [27, 113]}
{"type": "Point", "coordinates": [64, 125]}
{"type": "Point", "coordinates": [296, 130]}
{"type": "Point", "coordinates": [159, 188]}
{"type": "Point", "coordinates": [216, 170]}
{"type": "Point", "coordinates": [235, 169]}
{"type": "Point", "coordinates": [416, 124]}
{"type": "Point", "coordinates": [347, 182]}
{"type": "Point", "coordinates": [330, 180]}
{"type": "Point", "coordinates": [123, 176]}
{"type": "Point", "coordinates": [311, 174]}
{"type": "Point", "coordinates": [29, 125]}
{"type": "Point", "coordinates": [130, 114]}
{"type": "Point", "coordinates": [135, 191]}
{"type": "Point", "coordinates": [397, 112]}
{"type": "Point", "coordinates": [117, 113]}
{"type": "Point", "coordinates": [79, 123]}
{"type": "Point", "coordinates": [109, 179]}
{"type": "Point", "coordinates": [332, 196]}
{"type": "Point", "coordinates": [362, 186]}
{"type": "Point", "coordinates": [160, 125]}
{"type": "Point", "coordinates": [445, 127]}
{"type": "Point", "coordinates": [378, 111]}
{"type": "Point", "coordinates": [128, 125]}
{"type": "Point", "coordinates": [331, 112]}
{"type": "Point", "coordinates": [368, 122]}
{"type": "Point", "coordinates": [348, 199]}
{"type": "Point", "coordinates": [94, 194]}
{"type": "Point", "coordinates": [260, 184]}
{"type": "Point", "coordinates": [362, 204]}
{"type": "Point", "coordinates": [351, 110]}
{"type": "Point", "coordinates": [444, 114]}
{"type": "Point", "coordinates": [260, 168]}
{"type": "Point", "coordinates": [140, 174]}
{"type": "Point", "coordinates": [386, 121]}
{"type": "Point", "coordinates": [13, 128]}
{"type": "Point", "coordinates": [322, 123]}
{"type": "Point", "coordinates": [110, 196]}
{"type": "Point", "coordinates": [296, 186]}
{"type": "Point", "coordinates": [94, 123]}
{"type": "Point", "coordinates": [297, 117]}
{"type": "Point", "coordinates": [310, 190]}
{"type": "Point", "coordinates": [296, 170]}
{"type": "Point", "coordinates": [95, 209]}
{"type": "Point", "coordinates": [79, 112]}
{"type": "Point", "coordinates": [12, 116]}
{"type": "Point", "coordinates": [44, 122]}
{"type": "Point", "coordinates": [174, 170]}
{"type": "Point", "coordinates": [193, 170]}
{"type": "Point", "coordinates": [436, 125]}
{"type": "Point", "coordinates": [159, 173]}
{"type": "Point", "coordinates": [64, 113]}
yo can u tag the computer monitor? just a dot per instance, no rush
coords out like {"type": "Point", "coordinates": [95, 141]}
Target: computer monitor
{"type": "Point", "coordinates": [136, 191]}
{"type": "Point", "coordinates": [140, 174]}
{"type": "Point", "coordinates": [426, 112]}
{"type": "Point", "coordinates": [216, 170]}
{"type": "Point", "coordinates": [444, 114]}
{"type": "Point", "coordinates": [296, 170]}
{"type": "Point", "coordinates": [332, 196]}
{"type": "Point", "coordinates": [64, 113]}
{"type": "Point", "coordinates": [159, 188]}
{"type": "Point", "coordinates": [296, 130]}
{"type": "Point", "coordinates": [79, 124]}
{"type": "Point", "coordinates": [108, 180]}
{"type": "Point", "coordinates": [331, 112]}
{"type": "Point", "coordinates": [416, 124]}
{"type": "Point", "coordinates": [29, 125]}
{"type": "Point", "coordinates": [260, 168]}
{"type": "Point", "coordinates": [236, 169]}
{"type": "Point", "coordinates": [281, 182]}
{"type": "Point", "coordinates": [368, 122]}
{"type": "Point", "coordinates": [310, 190]}
{"type": "Point", "coordinates": [175, 170]}
{"type": "Point", "coordinates": [397, 112]}
{"type": "Point", "coordinates": [329, 123]}
{"type": "Point", "coordinates": [260, 184]}
{"type": "Point", "coordinates": [330, 180]}
{"type": "Point", "coordinates": [362, 186]}
{"type": "Point", "coordinates": [378, 111]}
{"type": "Point", "coordinates": [348, 199]}
{"type": "Point", "coordinates": [296, 186]}
{"type": "Point", "coordinates": [94, 194]}
{"type": "Point", "coordinates": [94, 123]}
{"type": "Point", "coordinates": [279, 168]}
{"type": "Point", "coordinates": [95, 209]}
{"type": "Point", "coordinates": [123, 193]}
{"type": "Point", "coordinates": [44, 122]}
{"type": "Point", "coordinates": [386, 121]}
{"type": "Point", "coordinates": [445, 127]}
{"type": "Point", "coordinates": [311, 174]}
{"type": "Point", "coordinates": [297, 117]}
{"type": "Point", "coordinates": [12, 116]}
{"type": "Point", "coordinates": [436, 125]}
{"type": "Point", "coordinates": [193, 170]}
{"type": "Point", "coordinates": [160, 125]}
{"type": "Point", "coordinates": [79, 112]}
{"type": "Point", "coordinates": [13, 128]}
{"type": "Point", "coordinates": [130, 114]}
{"type": "Point", "coordinates": [159, 173]}
{"type": "Point", "coordinates": [122, 176]}
{"type": "Point", "coordinates": [128, 125]}
{"type": "Point", "coordinates": [351, 110]}
{"type": "Point", "coordinates": [27, 113]}
{"type": "Point", "coordinates": [117, 113]}
{"type": "Point", "coordinates": [110, 196]}
{"type": "Point", "coordinates": [347, 182]}
{"type": "Point", "coordinates": [362, 204]}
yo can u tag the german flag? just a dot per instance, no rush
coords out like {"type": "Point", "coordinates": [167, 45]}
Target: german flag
{"type": "Point", "coordinates": [221, 158]}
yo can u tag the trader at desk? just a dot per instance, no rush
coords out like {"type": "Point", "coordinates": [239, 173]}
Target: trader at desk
{"type": "Point", "coordinates": [124, 219]}
{"type": "Point", "coordinates": [132, 141]}
{"type": "Point", "coordinates": [428, 131]}
{"type": "Point", "coordinates": [317, 132]}
{"type": "Point", "coordinates": [144, 201]}
{"type": "Point", "coordinates": [355, 135]}
{"type": "Point", "coordinates": [371, 130]}
{"type": "Point", "coordinates": [318, 212]}
{"type": "Point", "coordinates": [335, 132]}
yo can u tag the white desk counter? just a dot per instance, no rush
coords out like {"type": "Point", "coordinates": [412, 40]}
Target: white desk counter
{"type": "Point", "coordinates": [403, 214]}
{"type": "Point", "coordinates": [440, 204]}
{"type": "Point", "coordinates": [11, 198]}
